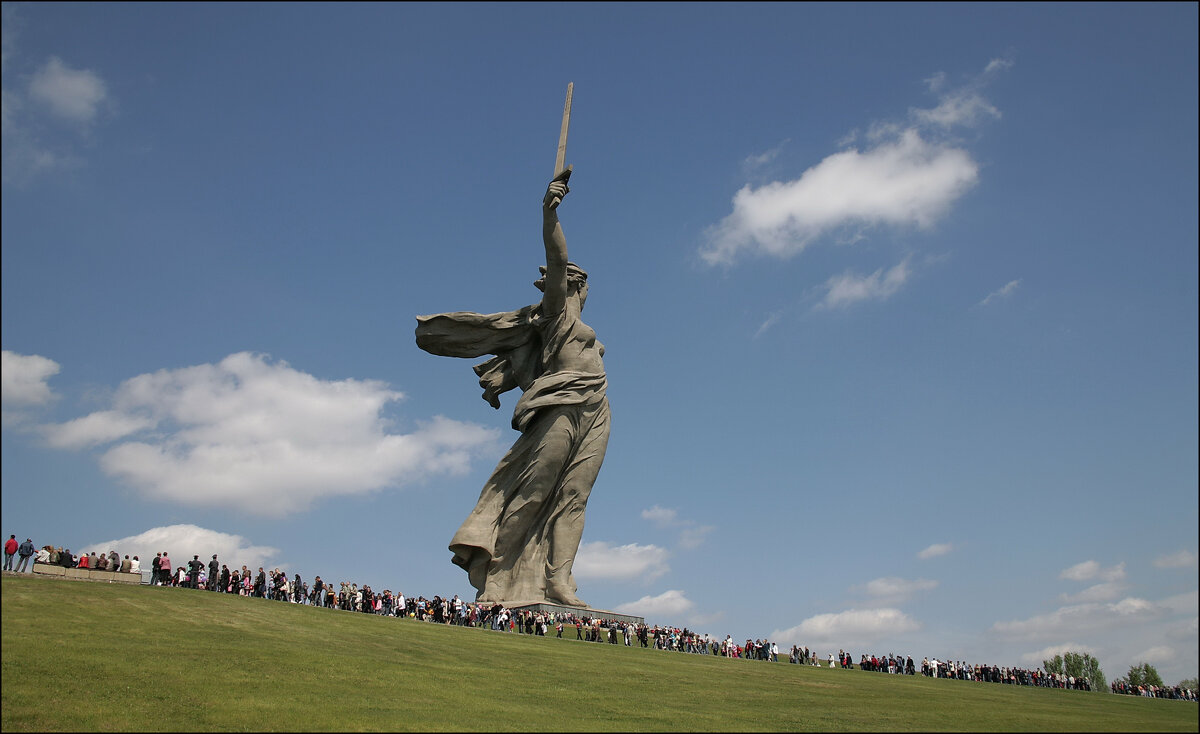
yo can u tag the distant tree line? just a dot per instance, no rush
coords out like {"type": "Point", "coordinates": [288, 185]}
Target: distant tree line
{"type": "Point", "coordinates": [1077, 665]}
{"type": "Point", "coordinates": [1083, 665]}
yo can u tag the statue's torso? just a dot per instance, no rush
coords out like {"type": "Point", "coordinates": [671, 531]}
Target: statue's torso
{"type": "Point", "coordinates": [580, 352]}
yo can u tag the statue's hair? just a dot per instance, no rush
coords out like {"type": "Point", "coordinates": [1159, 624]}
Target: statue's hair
{"type": "Point", "coordinates": [575, 274]}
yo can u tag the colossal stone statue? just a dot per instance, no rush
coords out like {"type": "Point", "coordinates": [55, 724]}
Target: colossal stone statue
{"type": "Point", "coordinates": [520, 541]}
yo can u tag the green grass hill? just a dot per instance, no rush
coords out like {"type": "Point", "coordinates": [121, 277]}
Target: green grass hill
{"type": "Point", "coordinates": [99, 657]}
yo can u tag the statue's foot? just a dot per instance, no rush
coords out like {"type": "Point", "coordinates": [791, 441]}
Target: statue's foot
{"type": "Point", "coordinates": [565, 598]}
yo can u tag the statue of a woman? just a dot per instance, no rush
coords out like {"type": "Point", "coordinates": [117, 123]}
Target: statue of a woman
{"type": "Point", "coordinates": [519, 542]}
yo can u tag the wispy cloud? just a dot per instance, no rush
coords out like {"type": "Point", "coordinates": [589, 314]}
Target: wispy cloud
{"type": "Point", "coordinates": [663, 517]}
{"type": "Point", "coordinates": [1106, 591]}
{"type": "Point", "coordinates": [691, 534]}
{"type": "Point", "coordinates": [693, 537]}
{"type": "Point", "coordinates": [753, 163]}
{"type": "Point", "coordinates": [962, 105]}
{"type": "Point", "coordinates": [248, 434]}
{"type": "Point", "coordinates": [935, 550]}
{"type": "Point", "coordinates": [1180, 559]}
{"type": "Point", "coordinates": [668, 606]}
{"type": "Point", "coordinates": [35, 140]}
{"type": "Point", "coordinates": [1089, 570]}
{"type": "Point", "coordinates": [101, 427]}
{"type": "Point", "coordinates": [631, 562]}
{"type": "Point", "coordinates": [1003, 292]}
{"type": "Point", "coordinates": [892, 590]}
{"type": "Point", "coordinates": [771, 320]}
{"type": "Point", "coordinates": [848, 288]}
{"type": "Point", "coordinates": [70, 94]}
{"type": "Point", "coordinates": [1037, 657]}
{"type": "Point", "coordinates": [851, 628]}
{"type": "Point", "coordinates": [1158, 654]}
{"type": "Point", "coordinates": [1076, 618]}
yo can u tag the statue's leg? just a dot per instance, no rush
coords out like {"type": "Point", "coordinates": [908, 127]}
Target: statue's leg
{"type": "Point", "coordinates": [566, 522]}
{"type": "Point", "coordinates": [517, 568]}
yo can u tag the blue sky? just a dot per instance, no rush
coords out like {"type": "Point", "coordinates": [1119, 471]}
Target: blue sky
{"type": "Point", "coordinates": [900, 302]}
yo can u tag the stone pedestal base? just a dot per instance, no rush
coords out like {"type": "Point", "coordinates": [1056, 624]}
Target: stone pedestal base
{"type": "Point", "coordinates": [545, 606]}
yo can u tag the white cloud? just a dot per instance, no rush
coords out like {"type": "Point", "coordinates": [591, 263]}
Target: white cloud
{"type": "Point", "coordinates": [660, 516]}
{"type": "Point", "coordinates": [1116, 633]}
{"type": "Point", "coordinates": [903, 181]}
{"type": "Point", "coordinates": [72, 94]}
{"type": "Point", "coordinates": [668, 607]}
{"type": "Point", "coordinates": [181, 542]}
{"type": "Point", "coordinates": [1077, 618]}
{"type": "Point", "coordinates": [1157, 654]}
{"type": "Point", "coordinates": [1182, 603]}
{"type": "Point", "coordinates": [1180, 559]}
{"type": "Point", "coordinates": [1081, 571]}
{"type": "Point", "coordinates": [1046, 653]}
{"type": "Point", "coordinates": [909, 175]}
{"type": "Point", "coordinates": [1089, 570]}
{"type": "Point", "coordinates": [252, 435]}
{"type": "Point", "coordinates": [848, 288]}
{"type": "Point", "coordinates": [851, 628]}
{"type": "Point", "coordinates": [632, 562]}
{"type": "Point", "coordinates": [23, 379]}
{"type": "Point", "coordinates": [935, 550]}
{"type": "Point", "coordinates": [1003, 292]}
{"type": "Point", "coordinates": [1131, 605]}
{"type": "Point", "coordinates": [892, 590]}
{"type": "Point", "coordinates": [1099, 592]}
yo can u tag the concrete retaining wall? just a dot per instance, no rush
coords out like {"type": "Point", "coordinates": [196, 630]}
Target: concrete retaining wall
{"type": "Point", "coordinates": [87, 574]}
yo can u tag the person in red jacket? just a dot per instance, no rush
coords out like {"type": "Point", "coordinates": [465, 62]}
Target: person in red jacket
{"type": "Point", "coordinates": [10, 550]}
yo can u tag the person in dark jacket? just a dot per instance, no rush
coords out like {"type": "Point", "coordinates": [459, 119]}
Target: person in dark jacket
{"type": "Point", "coordinates": [195, 566]}
{"type": "Point", "coordinates": [25, 551]}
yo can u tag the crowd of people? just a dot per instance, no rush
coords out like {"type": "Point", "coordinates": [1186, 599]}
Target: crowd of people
{"type": "Point", "coordinates": [59, 556]}
{"type": "Point", "coordinates": [951, 669]}
{"type": "Point", "coordinates": [1177, 693]}
{"type": "Point", "coordinates": [350, 597]}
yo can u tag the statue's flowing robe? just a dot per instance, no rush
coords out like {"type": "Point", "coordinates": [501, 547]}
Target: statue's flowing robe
{"type": "Point", "coordinates": [519, 542]}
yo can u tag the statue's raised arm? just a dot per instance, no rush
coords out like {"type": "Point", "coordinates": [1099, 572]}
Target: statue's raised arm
{"type": "Point", "coordinates": [555, 283]}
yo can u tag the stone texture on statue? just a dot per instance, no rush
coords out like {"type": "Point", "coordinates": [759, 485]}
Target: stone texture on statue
{"type": "Point", "coordinates": [520, 540]}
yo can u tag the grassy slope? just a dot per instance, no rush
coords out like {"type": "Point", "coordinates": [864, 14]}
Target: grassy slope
{"type": "Point", "coordinates": [79, 655]}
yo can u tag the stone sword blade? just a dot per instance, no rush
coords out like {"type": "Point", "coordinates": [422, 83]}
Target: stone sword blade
{"type": "Point", "coordinates": [562, 134]}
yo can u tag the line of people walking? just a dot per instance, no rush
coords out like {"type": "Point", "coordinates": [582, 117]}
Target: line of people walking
{"type": "Point", "coordinates": [349, 596]}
